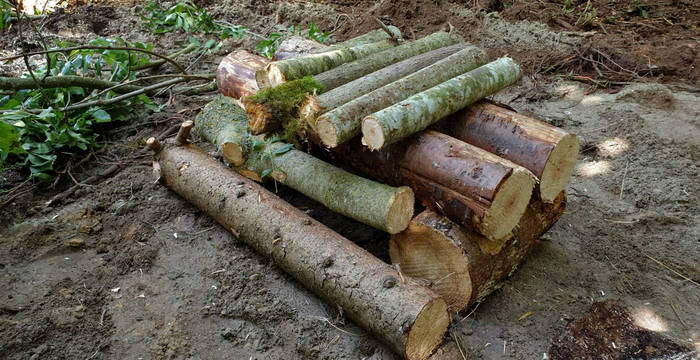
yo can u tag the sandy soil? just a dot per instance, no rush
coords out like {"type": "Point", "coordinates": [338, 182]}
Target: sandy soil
{"type": "Point", "coordinates": [158, 279]}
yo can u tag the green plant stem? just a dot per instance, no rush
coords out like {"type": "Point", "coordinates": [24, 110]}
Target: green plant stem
{"type": "Point", "coordinates": [188, 49]}
{"type": "Point", "coordinates": [93, 47]}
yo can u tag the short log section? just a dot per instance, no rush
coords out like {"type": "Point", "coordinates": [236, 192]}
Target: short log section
{"type": "Point", "coordinates": [235, 76]}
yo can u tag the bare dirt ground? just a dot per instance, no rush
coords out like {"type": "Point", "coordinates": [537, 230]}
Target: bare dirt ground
{"type": "Point", "coordinates": [159, 279]}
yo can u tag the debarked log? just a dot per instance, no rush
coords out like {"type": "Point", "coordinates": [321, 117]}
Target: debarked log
{"type": "Point", "coordinates": [409, 318]}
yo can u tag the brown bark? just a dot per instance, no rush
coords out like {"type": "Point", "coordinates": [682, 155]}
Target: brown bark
{"type": "Point", "coordinates": [457, 262]}
{"type": "Point", "coordinates": [235, 75]}
{"type": "Point", "coordinates": [409, 318]}
{"type": "Point", "coordinates": [469, 185]}
{"type": "Point", "coordinates": [548, 151]}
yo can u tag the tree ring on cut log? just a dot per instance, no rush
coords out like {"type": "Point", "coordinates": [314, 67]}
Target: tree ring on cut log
{"type": "Point", "coordinates": [558, 168]}
{"type": "Point", "coordinates": [400, 210]}
{"type": "Point", "coordinates": [428, 330]}
{"type": "Point", "coordinates": [508, 205]}
{"type": "Point", "coordinates": [372, 133]}
{"type": "Point", "coordinates": [424, 253]}
{"type": "Point", "coordinates": [233, 153]}
{"type": "Point", "coordinates": [327, 131]}
{"type": "Point", "coordinates": [308, 110]}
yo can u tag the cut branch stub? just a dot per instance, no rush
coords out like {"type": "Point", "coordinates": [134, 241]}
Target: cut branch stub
{"type": "Point", "coordinates": [425, 108]}
{"type": "Point", "coordinates": [409, 318]}
{"type": "Point", "coordinates": [453, 258]}
{"type": "Point", "coordinates": [548, 151]}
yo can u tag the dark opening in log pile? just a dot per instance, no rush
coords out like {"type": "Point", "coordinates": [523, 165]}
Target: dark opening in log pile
{"type": "Point", "coordinates": [472, 165]}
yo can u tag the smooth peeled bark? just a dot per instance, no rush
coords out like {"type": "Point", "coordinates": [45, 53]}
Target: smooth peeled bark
{"type": "Point", "coordinates": [469, 185]}
{"type": "Point", "coordinates": [384, 207]}
{"type": "Point", "coordinates": [344, 122]}
{"type": "Point", "coordinates": [334, 98]}
{"type": "Point", "coordinates": [345, 73]}
{"type": "Point", "coordinates": [419, 111]}
{"type": "Point", "coordinates": [546, 150]}
{"type": "Point", "coordinates": [452, 259]}
{"type": "Point", "coordinates": [295, 46]}
{"type": "Point", "coordinates": [235, 76]}
{"type": "Point", "coordinates": [409, 318]}
{"type": "Point", "coordinates": [279, 72]}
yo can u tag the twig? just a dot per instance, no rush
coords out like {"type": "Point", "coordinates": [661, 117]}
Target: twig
{"type": "Point", "coordinates": [459, 345]}
{"type": "Point", "coordinates": [189, 48]}
{"type": "Point", "coordinates": [337, 328]}
{"type": "Point", "coordinates": [673, 271]}
{"type": "Point", "coordinates": [622, 185]}
{"type": "Point", "coordinates": [678, 316]}
{"type": "Point", "coordinates": [15, 83]}
{"type": "Point", "coordinates": [21, 41]}
{"type": "Point", "coordinates": [94, 47]}
{"type": "Point", "coordinates": [473, 310]}
{"type": "Point", "coordinates": [387, 30]}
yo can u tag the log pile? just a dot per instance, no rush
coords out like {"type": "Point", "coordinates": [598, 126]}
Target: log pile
{"type": "Point", "coordinates": [410, 115]}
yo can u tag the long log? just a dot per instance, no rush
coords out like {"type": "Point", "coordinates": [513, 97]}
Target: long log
{"type": "Point", "coordinates": [454, 260]}
{"type": "Point", "coordinates": [384, 207]}
{"type": "Point", "coordinates": [407, 317]}
{"type": "Point", "coordinates": [470, 185]}
{"type": "Point", "coordinates": [367, 38]}
{"type": "Point", "coordinates": [425, 108]}
{"type": "Point", "coordinates": [235, 75]}
{"type": "Point", "coordinates": [344, 122]}
{"type": "Point", "coordinates": [548, 151]}
{"type": "Point", "coordinates": [331, 99]}
{"type": "Point", "coordinates": [279, 72]}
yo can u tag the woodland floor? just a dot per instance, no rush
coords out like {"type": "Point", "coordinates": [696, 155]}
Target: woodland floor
{"type": "Point", "coordinates": [159, 279]}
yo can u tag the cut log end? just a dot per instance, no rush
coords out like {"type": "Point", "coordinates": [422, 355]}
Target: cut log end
{"type": "Point", "coordinates": [327, 131]}
{"type": "Point", "coordinates": [559, 166]}
{"type": "Point", "coordinates": [508, 205]}
{"type": "Point", "coordinates": [309, 109]}
{"type": "Point", "coordinates": [428, 330]}
{"type": "Point", "coordinates": [372, 133]}
{"type": "Point", "coordinates": [424, 254]}
{"type": "Point", "coordinates": [258, 117]}
{"type": "Point", "coordinates": [233, 153]}
{"type": "Point", "coordinates": [274, 75]}
{"type": "Point", "coordinates": [400, 211]}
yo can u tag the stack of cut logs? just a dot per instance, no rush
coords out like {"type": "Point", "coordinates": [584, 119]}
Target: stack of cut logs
{"type": "Point", "coordinates": [410, 114]}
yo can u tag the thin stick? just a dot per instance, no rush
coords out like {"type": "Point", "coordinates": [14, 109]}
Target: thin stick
{"type": "Point", "coordinates": [189, 48]}
{"type": "Point", "coordinates": [678, 316]}
{"type": "Point", "coordinates": [387, 30]}
{"type": "Point", "coordinates": [459, 345]}
{"type": "Point", "coordinates": [673, 271]}
{"type": "Point", "coordinates": [622, 186]}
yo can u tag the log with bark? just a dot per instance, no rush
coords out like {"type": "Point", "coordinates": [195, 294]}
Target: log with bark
{"type": "Point", "coordinates": [548, 151]}
{"type": "Point", "coordinates": [279, 72]}
{"type": "Point", "coordinates": [384, 207]}
{"type": "Point", "coordinates": [344, 122]}
{"type": "Point", "coordinates": [425, 108]}
{"type": "Point", "coordinates": [470, 185]}
{"type": "Point", "coordinates": [235, 76]}
{"type": "Point", "coordinates": [267, 112]}
{"type": "Point", "coordinates": [453, 259]}
{"type": "Point", "coordinates": [407, 317]}
{"type": "Point", "coordinates": [294, 46]}
{"type": "Point", "coordinates": [331, 99]}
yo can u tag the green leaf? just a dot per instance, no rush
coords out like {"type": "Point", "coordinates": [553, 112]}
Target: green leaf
{"type": "Point", "coordinates": [283, 149]}
{"type": "Point", "coordinates": [265, 173]}
{"type": "Point", "coordinates": [101, 116]}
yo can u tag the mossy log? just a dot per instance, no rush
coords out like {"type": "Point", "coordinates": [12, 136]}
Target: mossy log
{"type": "Point", "coordinates": [331, 99]}
{"type": "Point", "coordinates": [344, 122]}
{"type": "Point", "coordinates": [384, 207]}
{"type": "Point", "coordinates": [347, 72]}
{"type": "Point", "coordinates": [546, 150]}
{"type": "Point", "coordinates": [279, 72]}
{"type": "Point", "coordinates": [425, 108]}
{"type": "Point", "coordinates": [235, 76]}
{"type": "Point", "coordinates": [452, 258]}
{"type": "Point", "coordinates": [407, 317]}
{"type": "Point", "coordinates": [294, 46]}
{"type": "Point", "coordinates": [469, 185]}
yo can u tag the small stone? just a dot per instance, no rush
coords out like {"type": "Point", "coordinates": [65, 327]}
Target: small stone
{"type": "Point", "coordinates": [76, 242]}
{"type": "Point", "coordinates": [79, 311]}
{"type": "Point", "coordinates": [66, 293]}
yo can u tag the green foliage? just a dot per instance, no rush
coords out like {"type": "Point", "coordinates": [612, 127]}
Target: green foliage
{"type": "Point", "coordinates": [5, 14]}
{"type": "Point", "coordinates": [187, 16]}
{"type": "Point", "coordinates": [268, 46]}
{"type": "Point", "coordinates": [40, 131]}
{"type": "Point", "coordinates": [640, 9]}
{"type": "Point", "coordinates": [316, 34]}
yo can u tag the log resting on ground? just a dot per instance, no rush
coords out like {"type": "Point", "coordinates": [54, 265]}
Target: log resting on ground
{"type": "Point", "coordinates": [548, 151]}
{"type": "Point", "coordinates": [452, 259]}
{"type": "Point", "coordinates": [344, 122]}
{"type": "Point", "coordinates": [384, 207]}
{"type": "Point", "coordinates": [425, 108]}
{"type": "Point", "coordinates": [407, 317]}
{"type": "Point", "coordinates": [331, 99]}
{"type": "Point", "coordinates": [235, 76]}
{"type": "Point", "coordinates": [295, 46]}
{"type": "Point", "coordinates": [470, 185]}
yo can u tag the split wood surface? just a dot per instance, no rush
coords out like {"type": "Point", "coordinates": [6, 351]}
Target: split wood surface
{"type": "Point", "coordinates": [409, 318]}
{"type": "Point", "coordinates": [546, 150]}
{"type": "Point", "coordinates": [459, 263]}
{"type": "Point", "coordinates": [224, 124]}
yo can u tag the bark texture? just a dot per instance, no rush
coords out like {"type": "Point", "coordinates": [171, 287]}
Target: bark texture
{"type": "Point", "coordinates": [345, 73]}
{"type": "Point", "coordinates": [425, 108]}
{"type": "Point", "coordinates": [548, 151]}
{"type": "Point", "coordinates": [235, 76]}
{"type": "Point", "coordinates": [384, 207]}
{"type": "Point", "coordinates": [367, 38]}
{"type": "Point", "coordinates": [279, 72]}
{"type": "Point", "coordinates": [295, 46]}
{"type": "Point", "coordinates": [343, 123]}
{"type": "Point", "coordinates": [453, 259]}
{"type": "Point", "coordinates": [469, 185]}
{"type": "Point", "coordinates": [409, 318]}
{"type": "Point", "coordinates": [331, 99]}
